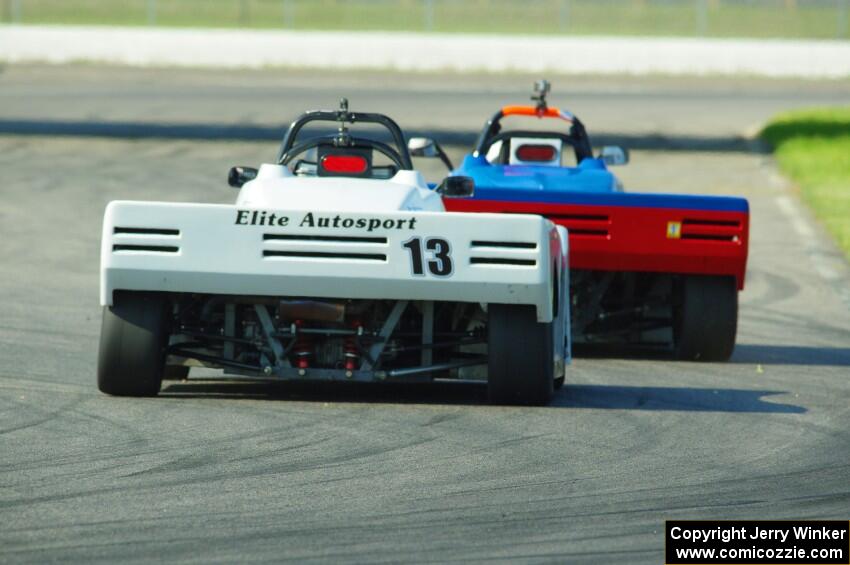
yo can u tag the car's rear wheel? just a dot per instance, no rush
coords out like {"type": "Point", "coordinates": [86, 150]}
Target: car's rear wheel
{"type": "Point", "coordinates": [706, 318]}
{"type": "Point", "coordinates": [133, 339]}
{"type": "Point", "coordinates": [521, 356]}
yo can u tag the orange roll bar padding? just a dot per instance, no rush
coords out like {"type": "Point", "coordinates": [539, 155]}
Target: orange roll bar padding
{"type": "Point", "coordinates": [532, 111]}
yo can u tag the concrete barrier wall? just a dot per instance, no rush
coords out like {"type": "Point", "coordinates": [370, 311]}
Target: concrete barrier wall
{"type": "Point", "coordinates": [424, 52]}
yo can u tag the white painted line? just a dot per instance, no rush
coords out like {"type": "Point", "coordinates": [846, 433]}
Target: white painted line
{"type": "Point", "coordinates": [820, 261]}
{"type": "Point", "coordinates": [224, 48]}
{"type": "Point", "coordinates": [823, 269]}
{"type": "Point", "coordinates": [777, 181]}
{"type": "Point", "coordinates": [786, 205]}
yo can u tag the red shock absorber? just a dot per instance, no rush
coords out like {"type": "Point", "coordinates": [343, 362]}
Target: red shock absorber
{"type": "Point", "coordinates": [352, 354]}
{"type": "Point", "coordinates": [303, 347]}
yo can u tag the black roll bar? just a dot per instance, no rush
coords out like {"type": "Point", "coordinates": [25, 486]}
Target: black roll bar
{"type": "Point", "coordinates": [343, 116]}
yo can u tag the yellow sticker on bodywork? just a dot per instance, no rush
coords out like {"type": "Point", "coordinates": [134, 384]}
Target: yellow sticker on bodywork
{"type": "Point", "coordinates": [674, 230]}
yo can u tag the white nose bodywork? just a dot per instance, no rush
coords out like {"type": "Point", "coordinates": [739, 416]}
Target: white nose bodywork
{"type": "Point", "coordinates": [276, 187]}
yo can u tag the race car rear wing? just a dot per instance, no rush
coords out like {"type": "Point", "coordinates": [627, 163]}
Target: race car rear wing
{"type": "Point", "coordinates": [226, 249]}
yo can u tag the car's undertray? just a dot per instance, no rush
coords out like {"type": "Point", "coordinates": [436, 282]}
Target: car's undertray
{"type": "Point", "coordinates": [326, 339]}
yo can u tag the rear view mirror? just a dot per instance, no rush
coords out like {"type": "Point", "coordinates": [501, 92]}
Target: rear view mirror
{"type": "Point", "coordinates": [457, 187]}
{"type": "Point", "coordinates": [422, 147]}
{"type": "Point", "coordinates": [240, 175]}
{"type": "Point", "coordinates": [427, 147]}
{"type": "Point", "coordinates": [614, 155]}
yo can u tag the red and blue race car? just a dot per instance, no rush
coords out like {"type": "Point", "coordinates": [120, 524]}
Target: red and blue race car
{"type": "Point", "coordinates": [659, 271]}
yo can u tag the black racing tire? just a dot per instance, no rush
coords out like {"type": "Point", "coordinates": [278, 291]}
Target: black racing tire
{"type": "Point", "coordinates": [175, 373]}
{"type": "Point", "coordinates": [521, 356]}
{"type": "Point", "coordinates": [706, 319]}
{"type": "Point", "coordinates": [133, 340]}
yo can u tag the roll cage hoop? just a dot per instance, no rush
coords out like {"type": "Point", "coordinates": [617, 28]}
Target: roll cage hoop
{"type": "Point", "coordinates": [399, 154]}
{"type": "Point", "coordinates": [576, 136]}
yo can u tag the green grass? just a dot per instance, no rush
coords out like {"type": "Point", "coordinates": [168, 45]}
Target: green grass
{"type": "Point", "coordinates": [813, 148]}
{"type": "Point", "coordinates": [713, 18]}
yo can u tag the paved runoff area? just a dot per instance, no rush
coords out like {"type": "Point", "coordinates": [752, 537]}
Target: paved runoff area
{"type": "Point", "coordinates": [226, 472]}
{"type": "Point", "coordinates": [424, 51]}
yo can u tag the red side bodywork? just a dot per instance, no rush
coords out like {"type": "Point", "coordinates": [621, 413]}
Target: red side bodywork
{"type": "Point", "coordinates": [625, 238]}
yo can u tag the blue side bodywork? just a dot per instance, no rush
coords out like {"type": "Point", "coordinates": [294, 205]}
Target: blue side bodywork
{"type": "Point", "coordinates": [590, 183]}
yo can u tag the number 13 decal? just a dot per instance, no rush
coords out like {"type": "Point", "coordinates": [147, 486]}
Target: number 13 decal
{"type": "Point", "coordinates": [439, 260]}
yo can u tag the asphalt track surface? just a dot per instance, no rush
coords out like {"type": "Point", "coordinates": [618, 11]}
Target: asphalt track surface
{"type": "Point", "coordinates": [226, 472]}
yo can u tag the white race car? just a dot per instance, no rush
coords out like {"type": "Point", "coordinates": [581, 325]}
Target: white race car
{"type": "Point", "coordinates": [337, 262]}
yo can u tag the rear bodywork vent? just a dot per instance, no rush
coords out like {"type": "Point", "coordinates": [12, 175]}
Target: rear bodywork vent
{"type": "Point", "coordinates": [502, 261]}
{"type": "Point", "coordinates": [327, 238]}
{"type": "Point", "coordinates": [711, 230]}
{"type": "Point", "coordinates": [324, 247]}
{"type": "Point", "coordinates": [584, 225]}
{"type": "Point", "coordinates": [146, 231]}
{"type": "Point", "coordinates": [505, 244]}
{"type": "Point", "coordinates": [503, 253]}
{"type": "Point", "coordinates": [326, 255]}
{"type": "Point", "coordinates": [145, 240]}
{"type": "Point", "coordinates": [148, 248]}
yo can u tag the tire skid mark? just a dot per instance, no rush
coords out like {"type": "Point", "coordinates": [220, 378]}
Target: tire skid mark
{"type": "Point", "coordinates": [199, 460]}
{"type": "Point", "coordinates": [496, 446]}
{"type": "Point", "coordinates": [370, 527]}
{"type": "Point", "coordinates": [282, 450]}
{"type": "Point", "coordinates": [136, 437]}
{"type": "Point", "coordinates": [49, 416]}
{"type": "Point", "coordinates": [326, 463]}
{"type": "Point", "coordinates": [43, 384]}
{"type": "Point", "coordinates": [831, 496]}
{"type": "Point", "coordinates": [140, 521]}
{"type": "Point", "coordinates": [553, 556]}
{"type": "Point", "coordinates": [346, 459]}
{"type": "Point", "coordinates": [440, 419]}
{"type": "Point", "coordinates": [190, 442]}
{"type": "Point", "coordinates": [794, 321]}
{"type": "Point", "coordinates": [739, 486]}
{"type": "Point", "coordinates": [687, 491]}
{"type": "Point", "coordinates": [778, 288]}
{"type": "Point", "coordinates": [184, 463]}
{"type": "Point", "coordinates": [557, 515]}
{"type": "Point", "coordinates": [512, 487]}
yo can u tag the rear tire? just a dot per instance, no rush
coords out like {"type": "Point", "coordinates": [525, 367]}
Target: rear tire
{"type": "Point", "coordinates": [133, 339]}
{"type": "Point", "coordinates": [521, 356]}
{"type": "Point", "coordinates": [707, 319]}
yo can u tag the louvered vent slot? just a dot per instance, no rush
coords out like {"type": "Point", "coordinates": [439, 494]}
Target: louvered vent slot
{"type": "Point", "coordinates": [145, 240]}
{"type": "Point", "coordinates": [584, 225]}
{"type": "Point", "coordinates": [511, 253]}
{"type": "Point", "coordinates": [502, 261]}
{"type": "Point", "coordinates": [327, 247]}
{"type": "Point", "coordinates": [504, 244]}
{"type": "Point", "coordinates": [146, 231]}
{"type": "Point", "coordinates": [711, 230]}
{"type": "Point", "coordinates": [326, 255]}
{"type": "Point", "coordinates": [323, 238]}
{"type": "Point", "coordinates": [147, 248]}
